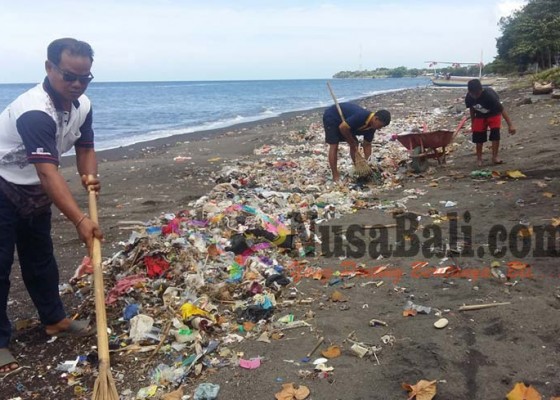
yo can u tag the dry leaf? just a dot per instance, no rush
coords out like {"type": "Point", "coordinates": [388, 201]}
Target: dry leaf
{"type": "Point", "coordinates": [555, 222]}
{"type": "Point", "coordinates": [548, 194]}
{"type": "Point", "coordinates": [331, 352]}
{"type": "Point", "coordinates": [517, 265]}
{"type": "Point", "coordinates": [409, 313]}
{"type": "Point", "coordinates": [289, 392]}
{"type": "Point", "coordinates": [175, 395]}
{"type": "Point", "coordinates": [515, 174]}
{"type": "Point", "coordinates": [522, 392]}
{"type": "Point", "coordinates": [525, 232]}
{"type": "Point", "coordinates": [213, 251]}
{"type": "Point", "coordinates": [423, 390]}
{"type": "Point", "coordinates": [336, 296]}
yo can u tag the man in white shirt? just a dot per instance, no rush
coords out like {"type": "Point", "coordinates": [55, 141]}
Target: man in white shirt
{"type": "Point", "coordinates": [35, 129]}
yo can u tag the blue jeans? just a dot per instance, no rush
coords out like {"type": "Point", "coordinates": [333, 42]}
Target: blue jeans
{"type": "Point", "coordinates": [31, 236]}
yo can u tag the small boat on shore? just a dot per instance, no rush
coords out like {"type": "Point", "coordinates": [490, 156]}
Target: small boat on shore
{"type": "Point", "coordinates": [448, 80]}
{"type": "Point", "coordinates": [460, 81]}
{"type": "Point", "coordinates": [542, 87]}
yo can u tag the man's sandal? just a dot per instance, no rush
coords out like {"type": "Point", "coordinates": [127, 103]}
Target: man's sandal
{"type": "Point", "coordinates": [77, 328]}
{"type": "Point", "coordinates": [7, 359]}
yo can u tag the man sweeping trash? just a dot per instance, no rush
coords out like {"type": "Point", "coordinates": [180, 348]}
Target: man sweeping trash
{"type": "Point", "coordinates": [357, 122]}
{"type": "Point", "coordinates": [41, 124]}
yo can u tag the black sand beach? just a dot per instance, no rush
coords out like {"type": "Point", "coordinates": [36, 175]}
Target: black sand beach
{"type": "Point", "coordinates": [480, 355]}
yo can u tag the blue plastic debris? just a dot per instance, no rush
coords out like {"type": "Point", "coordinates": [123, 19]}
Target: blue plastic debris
{"type": "Point", "coordinates": [131, 311]}
{"type": "Point", "coordinates": [206, 391]}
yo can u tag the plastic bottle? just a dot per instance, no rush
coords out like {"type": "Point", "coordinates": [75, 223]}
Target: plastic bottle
{"type": "Point", "coordinates": [497, 272]}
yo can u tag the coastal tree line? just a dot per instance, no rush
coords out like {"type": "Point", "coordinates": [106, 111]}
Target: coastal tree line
{"type": "Point", "coordinates": [382, 72]}
{"type": "Point", "coordinates": [530, 37]}
{"type": "Point", "coordinates": [400, 72]}
{"type": "Point", "coordinates": [529, 41]}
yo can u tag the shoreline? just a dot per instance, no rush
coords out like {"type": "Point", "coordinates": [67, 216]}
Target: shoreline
{"type": "Point", "coordinates": [134, 150]}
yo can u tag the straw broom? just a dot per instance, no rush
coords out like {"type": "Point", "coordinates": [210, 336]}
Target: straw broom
{"type": "Point", "coordinates": [104, 387]}
{"type": "Point", "coordinates": [361, 167]}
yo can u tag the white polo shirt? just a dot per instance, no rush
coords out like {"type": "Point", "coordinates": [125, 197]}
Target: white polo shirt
{"type": "Point", "coordinates": [33, 130]}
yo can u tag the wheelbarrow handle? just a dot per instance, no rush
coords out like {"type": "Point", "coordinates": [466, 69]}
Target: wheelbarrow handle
{"type": "Point", "coordinates": [461, 123]}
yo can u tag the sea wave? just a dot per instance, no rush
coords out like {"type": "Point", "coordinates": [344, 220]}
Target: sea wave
{"type": "Point", "coordinates": [125, 140]}
{"type": "Point", "coordinates": [140, 112]}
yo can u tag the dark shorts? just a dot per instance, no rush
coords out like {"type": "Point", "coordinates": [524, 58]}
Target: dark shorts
{"type": "Point", "coordinates": [480, 128]}
{"type": "Point", "coordinates": [333, 135]}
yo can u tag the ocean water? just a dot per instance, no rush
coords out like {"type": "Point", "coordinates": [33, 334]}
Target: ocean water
{"type": "Point", "coordinates": [132, 112]}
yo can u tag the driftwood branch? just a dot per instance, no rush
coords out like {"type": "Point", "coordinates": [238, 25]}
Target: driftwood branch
{"type": "Point", "coordinates": [163, 338]}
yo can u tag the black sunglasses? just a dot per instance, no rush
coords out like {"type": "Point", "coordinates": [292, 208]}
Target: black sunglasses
{"type": "Point", "coordinates": [71, 77]}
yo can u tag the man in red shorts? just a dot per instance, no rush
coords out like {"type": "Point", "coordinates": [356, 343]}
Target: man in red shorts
{"type": "Point", "coordinates": [486, 112]}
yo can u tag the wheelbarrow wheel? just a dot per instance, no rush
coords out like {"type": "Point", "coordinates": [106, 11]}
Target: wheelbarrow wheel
{"type": "Point", "coordinates": [419, 163]}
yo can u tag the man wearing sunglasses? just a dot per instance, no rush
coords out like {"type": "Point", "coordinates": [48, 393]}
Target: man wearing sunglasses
{"type": "Point", "coordinates": [35, 130]}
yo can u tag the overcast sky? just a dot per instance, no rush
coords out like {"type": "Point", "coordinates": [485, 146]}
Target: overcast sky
{"type": "Point", "coordinates": [159, 40]}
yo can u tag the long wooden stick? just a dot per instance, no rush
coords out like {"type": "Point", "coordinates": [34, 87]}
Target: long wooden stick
{"type": "Point", "coordinates": [104, 387]}
{"type": "Point", "coordinates": [481, 306]}
{"type": "Point", "coordinates": [321, 340]}
{"type": "Point", "coordinates": [163, 338]}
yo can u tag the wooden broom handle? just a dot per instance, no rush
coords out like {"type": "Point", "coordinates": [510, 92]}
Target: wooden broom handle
{"type": "Point", "coordinates": [336, 102]}
{"type": "Point", "coordinates": [100, 313]}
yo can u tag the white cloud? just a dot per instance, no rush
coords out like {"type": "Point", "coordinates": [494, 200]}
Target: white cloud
{"type": "Point", "coordinates": [188, 40]}
{"type": "Point", "coordinates": [506, 7]}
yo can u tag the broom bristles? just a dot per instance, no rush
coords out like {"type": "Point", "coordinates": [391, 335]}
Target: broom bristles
{"type": "Point", "coordinates": [104, 387]}
{"type": "Point", "coordinates": [361, 167]}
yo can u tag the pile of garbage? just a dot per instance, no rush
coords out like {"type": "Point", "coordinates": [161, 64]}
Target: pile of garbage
{"type": "Point", "coordinates": [190, 284]}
